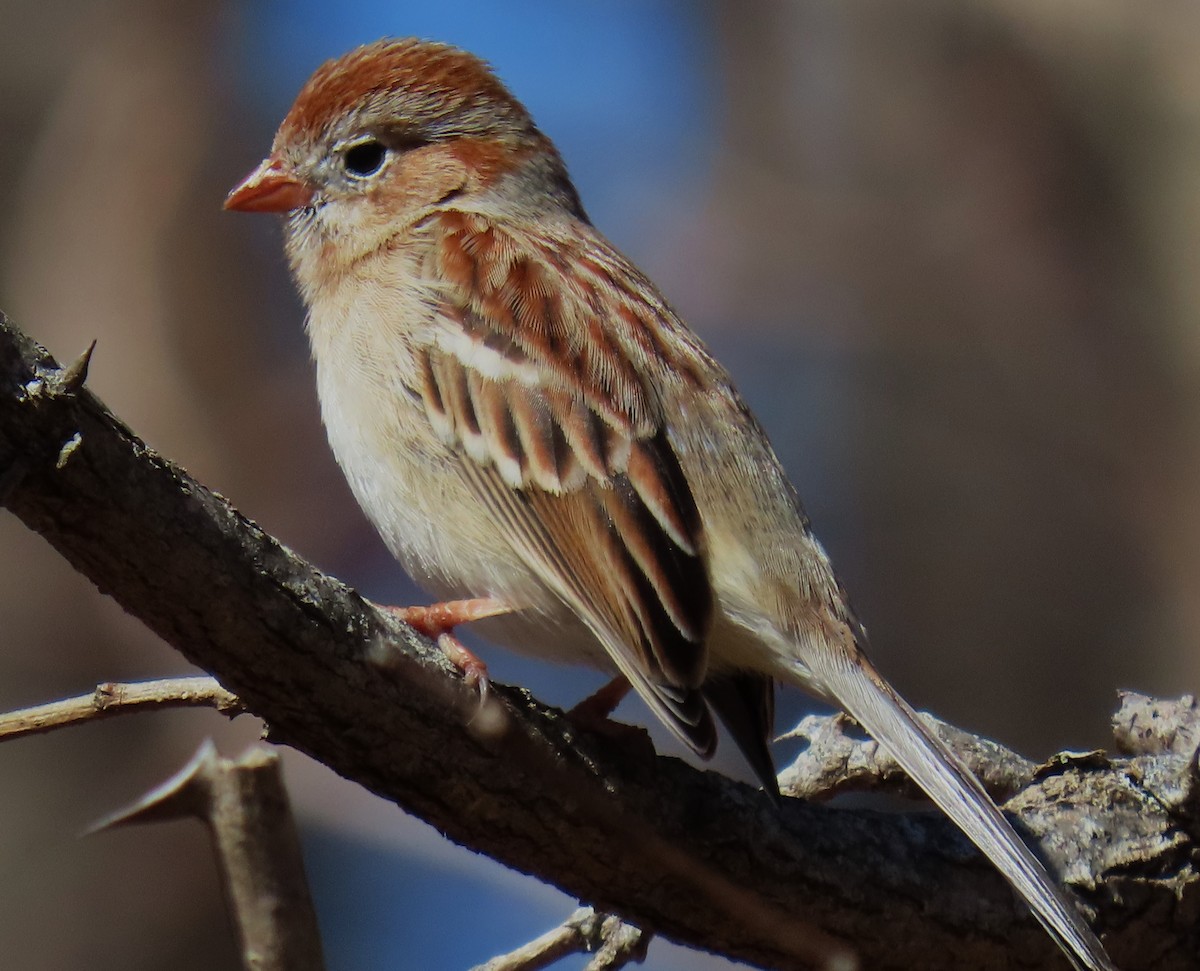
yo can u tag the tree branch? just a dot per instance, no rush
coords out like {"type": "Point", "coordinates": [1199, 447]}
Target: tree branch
{"type": "Point", "coordinates": [111, 699]}
{"type": "Point", "coordinates": [687, 854]}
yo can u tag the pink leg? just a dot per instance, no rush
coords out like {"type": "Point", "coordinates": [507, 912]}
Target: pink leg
{"type": "Point", "coordinates": [595, 709]}
{"type": "Point", "coordinates": [592, 714]}
{"type": "Point", "coordinates": [437, 621]}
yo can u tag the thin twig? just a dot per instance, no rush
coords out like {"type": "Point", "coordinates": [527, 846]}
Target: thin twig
{"type": "Point", "coordinates": [614, 943]}
{"type": "Point", "coordinates": [111, 699]}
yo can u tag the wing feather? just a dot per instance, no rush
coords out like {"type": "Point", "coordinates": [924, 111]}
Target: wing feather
{"type": "Point", "coordinates": [562, 439]}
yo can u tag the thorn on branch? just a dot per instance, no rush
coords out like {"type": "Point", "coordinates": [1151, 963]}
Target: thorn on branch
{"type": "Point", "coordinates": [50, 382]}
{"type": "Point", "coordinates": [70, 379]}
{"type": "Point", "coordinates": [245, 807]}
{"type": "Point", "coordinates": [53, 381]}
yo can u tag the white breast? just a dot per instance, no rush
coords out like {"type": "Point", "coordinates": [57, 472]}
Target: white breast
{"type": "Point", "coordinates": [364, 339]}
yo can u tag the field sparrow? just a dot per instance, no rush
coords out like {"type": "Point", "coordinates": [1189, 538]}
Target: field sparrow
{"type": "Point", "coordinates": [528, 423]}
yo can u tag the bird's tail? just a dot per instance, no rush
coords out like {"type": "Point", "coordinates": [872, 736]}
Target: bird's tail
{"type": "Point", "coordinates": [876, 706]}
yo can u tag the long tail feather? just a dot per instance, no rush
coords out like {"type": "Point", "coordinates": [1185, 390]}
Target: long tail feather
{"type": "Point", "coordinates": [864, 694]}
{"type": "Point", "coordinates": [746, 704]}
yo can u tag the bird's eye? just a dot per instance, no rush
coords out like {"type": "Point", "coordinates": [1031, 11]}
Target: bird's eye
{"type": "Point", "coordinates": [364, 159]}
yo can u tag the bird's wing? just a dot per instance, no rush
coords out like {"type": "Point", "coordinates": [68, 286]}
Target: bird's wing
{"type": "Point", "coordinates": [532, 383]}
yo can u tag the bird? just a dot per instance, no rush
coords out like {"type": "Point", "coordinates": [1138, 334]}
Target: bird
{"type": "Point", "coordinates": [545, 445]}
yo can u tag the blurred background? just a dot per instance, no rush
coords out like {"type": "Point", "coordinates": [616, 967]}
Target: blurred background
{"type": "Point", "coordinates": [947, 251]}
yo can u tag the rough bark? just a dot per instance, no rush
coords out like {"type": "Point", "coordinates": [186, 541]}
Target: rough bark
{"type": "Point", "coordinates": [691, 855]}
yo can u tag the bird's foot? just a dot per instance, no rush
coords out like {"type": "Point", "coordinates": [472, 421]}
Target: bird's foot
{"type": "Point", "coordinates": [437, 622]}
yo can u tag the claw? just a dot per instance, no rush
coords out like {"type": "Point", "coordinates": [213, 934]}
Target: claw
{"type": "Point", "coordinates": [475, 672]}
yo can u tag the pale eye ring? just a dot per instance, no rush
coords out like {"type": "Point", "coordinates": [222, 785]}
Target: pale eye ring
{"type": "Point", "coordinates": [363, 159]}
